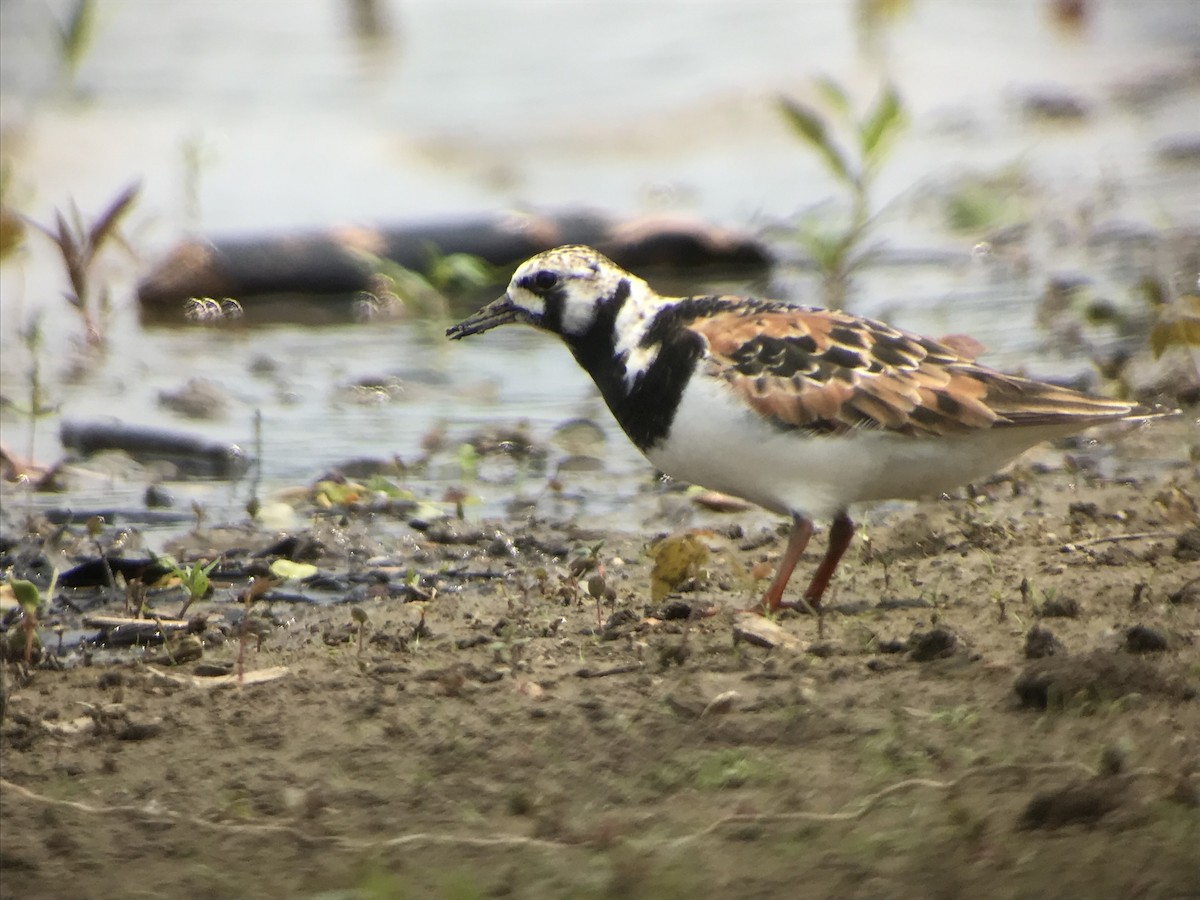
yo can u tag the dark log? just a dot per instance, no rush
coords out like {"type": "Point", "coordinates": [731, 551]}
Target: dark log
{"type": "Point", "coordinates": [331, 263]}
{"type": "Point", "coordinates": [193, 455]}
{"type": "Point", "coordinates": [100, 571]}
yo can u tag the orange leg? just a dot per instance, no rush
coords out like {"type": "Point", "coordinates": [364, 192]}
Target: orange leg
{"type": "Point", "coordinates": [841, 531]}
{"type": "Point", "coordinates": [802, 530]}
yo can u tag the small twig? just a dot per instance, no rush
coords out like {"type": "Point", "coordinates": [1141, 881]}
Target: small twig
{"type": "Point", "coordinates": [1114, 538]}
{"type": "Point", "coordinates": [614, 670]}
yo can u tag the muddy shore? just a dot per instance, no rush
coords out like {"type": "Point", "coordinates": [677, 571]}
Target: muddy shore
{"type": "Point", "coordinates": [1000, 701]}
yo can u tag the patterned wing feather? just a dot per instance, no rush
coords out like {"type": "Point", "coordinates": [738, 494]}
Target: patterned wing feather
{"type": "Point", "coordinates": [828, 371]}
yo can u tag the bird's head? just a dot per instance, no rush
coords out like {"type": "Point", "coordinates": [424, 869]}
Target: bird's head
{"type": "Point", "coordinates": [562, 290]}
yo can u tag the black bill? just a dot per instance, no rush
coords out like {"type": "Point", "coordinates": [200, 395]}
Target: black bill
{"type": "Point", "coordinates": [498, 312]}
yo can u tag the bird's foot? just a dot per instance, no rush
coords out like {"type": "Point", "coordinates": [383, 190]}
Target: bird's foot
{"type": "Point", "coordinates": [804, 606]}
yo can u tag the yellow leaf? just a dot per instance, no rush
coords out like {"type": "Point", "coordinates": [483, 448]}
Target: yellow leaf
{"type": "Point", "coordinates": [677, 558]}
{"type": "Point", "coordinates": [288, 570]}
{"type": "Point", "coordinates": [1178, 325]}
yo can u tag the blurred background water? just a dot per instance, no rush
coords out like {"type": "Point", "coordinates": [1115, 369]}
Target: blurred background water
{"type": "Point", "coordinates": [258, 118]}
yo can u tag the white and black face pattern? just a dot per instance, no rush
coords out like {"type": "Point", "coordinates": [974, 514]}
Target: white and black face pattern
{"type": "Point", "coordinates": [563, 290]}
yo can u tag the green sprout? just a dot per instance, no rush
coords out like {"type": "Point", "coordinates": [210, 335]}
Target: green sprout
{"type": "Point", "coordinates": [36, 407]}
{"type": "Point", "coordinates": [193, 579]}
{"type": "Point", "coordinates": [31, 600]}
{"type": "Point", "coordinates": [837, 246]}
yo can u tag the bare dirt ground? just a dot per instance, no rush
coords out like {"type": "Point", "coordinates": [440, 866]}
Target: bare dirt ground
{"type": "Point", "coordinates": [1000, 701]}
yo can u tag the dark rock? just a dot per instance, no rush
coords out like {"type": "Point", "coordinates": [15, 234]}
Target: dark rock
{"type": "Point", "coordinates": [938, 643]}
{"type": "Point", "coordinates": [1083, 511]}
{"type": "Point", "coordinates": [1144, 639]}
{"type": "Point", "coordinates": [158, 497]}
{"type": "Point", "coordinates": [1187, 546]}
{"type": "Point", "coordinates": [1189, 594]}
{"type": "Point", "coordinates": [452, 531]}
{"type": "Point", "coordinates": [138, 731]}
{"type": "Point", "coordinates": [1080, 803]}
{"type": "Point", "coordinates": [1100, 676]}
{"type": "Point", "coordinates": [297, 548]}
{"type": "Point", "coordinates": [672, 610]}
{"type": "Point", "coordinates": [1059, 608]}
{"type": "Point", "coordinates": [1041, 642]}
{"type": "Point", "coordinates": [619, 624]}
{"type": "Point", "coordinates": [198, 399]}
{"type": "Point", "coordinates": [110, 679]}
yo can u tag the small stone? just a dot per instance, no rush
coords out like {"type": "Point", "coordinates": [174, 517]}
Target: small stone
{"type": "Point", "coordinates": [1187, 595]}
{"type": "Point", "coordinates": [198, 399]}
{"type": "Point", "coordinates": [1144, 639]}
{"type": "Point", "coordinates": [1187, 546]}
{"type": "Point", "coordinates": [138, 731]}
{"type": "Point", "coordinates": [1041, 642]}
{"type": "Point", "coordinates": [1059, 608]}
{"type": "Point", "coordinates": [1075, 803]}
{"type": "Point", "coordinates": [722, 703]}
{"type": "Point", "coordinates": [938, 643]}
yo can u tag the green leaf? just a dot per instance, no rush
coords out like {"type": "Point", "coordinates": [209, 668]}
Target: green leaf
{"type": "Point", "coordinates": [468, 461]}
{"type": "Point", "coordinates": [27, 594]}
{"type": "Point", "coordinates": [77, 34]}
{"type": "Point", "coordinates": [810, 126]}
{"type": "Point", "coordinates": [885, 119]}
{"type": "Point", "coordinates": [195, 579]}
{"type": "Point", "coordinates": [381, 484]}
{"type": "Point", "coordinates": [459, 271]}
{"type": "Point", "coordinates": [831, 92]}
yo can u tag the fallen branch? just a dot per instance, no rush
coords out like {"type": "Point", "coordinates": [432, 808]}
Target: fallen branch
{"type": "Point", "coordinates": [258, 676]}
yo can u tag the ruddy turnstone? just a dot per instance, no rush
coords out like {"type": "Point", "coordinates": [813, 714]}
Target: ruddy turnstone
{"type": "Point", "coordinates": [801, 410]}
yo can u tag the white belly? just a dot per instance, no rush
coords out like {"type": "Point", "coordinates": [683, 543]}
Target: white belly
{"type": "Point", "coordinates": [719, 443]}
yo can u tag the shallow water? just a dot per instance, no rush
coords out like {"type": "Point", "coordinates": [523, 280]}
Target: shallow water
{"type": "Point", "coordinates": [299, 121]}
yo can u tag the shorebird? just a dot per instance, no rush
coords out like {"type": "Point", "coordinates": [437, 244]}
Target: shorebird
{"type": "Point", "coordinates": [801, 410]}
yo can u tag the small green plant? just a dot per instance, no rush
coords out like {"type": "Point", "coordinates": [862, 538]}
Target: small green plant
{"type": "Point", "coordinates": [80, 246]}
{"type": "Point", "coordinates": [193, 579]}
{"type": "Point", "coordinates": [362, 622]}
{"type": "Point", "coordinates": [398, 290]}
{"type": "Point", "coordinates": [36, 407]}
{"type": "Point", "coordinates": [837, 245]}
{"type": "Point", "coordinates": [734, 767]}
{"type": "Point", "coordinates": [31, 601]}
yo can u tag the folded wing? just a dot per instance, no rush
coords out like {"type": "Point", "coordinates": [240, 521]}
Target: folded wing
{"type": "Point", "coordinates": [828, 371]}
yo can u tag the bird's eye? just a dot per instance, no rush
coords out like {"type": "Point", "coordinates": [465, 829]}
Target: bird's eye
{"type": "Point", "coordinates": [545, 280]}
